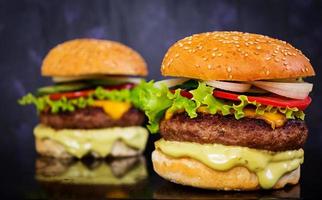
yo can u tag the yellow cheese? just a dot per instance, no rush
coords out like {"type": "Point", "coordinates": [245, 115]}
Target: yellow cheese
{"type": "Point", "coordinates": [169, 114]}
{"type": "Point", "coordinates": [80, 142]}
{"type": "Point", "coordinates": [267, 165]}
{"type": "Point", "coordinates": [274, 119]}
{"type": "Point", "coordinates": [114, 109]}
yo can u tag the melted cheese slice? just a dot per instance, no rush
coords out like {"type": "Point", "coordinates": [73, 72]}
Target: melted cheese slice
{"type": "Point", "coordinates": [115, 109]}
{"type": "Point", "coordinates": [273, 119]}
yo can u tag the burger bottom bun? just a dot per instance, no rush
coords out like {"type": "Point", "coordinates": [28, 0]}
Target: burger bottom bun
{"type": "Point", "coordinates": [187, 171]}
{"type": "Point", "coordinates": [51, 148]}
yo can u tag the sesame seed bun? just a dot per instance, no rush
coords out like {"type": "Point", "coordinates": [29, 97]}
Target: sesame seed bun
{"type": "Point", "coordinates": [234, 56]}
{"type": "Point", "coordinates": [81, 57]}
{"type": "Point", "coordinates": [187, 171]}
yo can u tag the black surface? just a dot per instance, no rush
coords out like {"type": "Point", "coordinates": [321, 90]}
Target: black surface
{"type": "Point", "coordinates": [29, 28]}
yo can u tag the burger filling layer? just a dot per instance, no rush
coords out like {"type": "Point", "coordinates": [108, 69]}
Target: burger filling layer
{"type": "Point", "coordinates": [91, 117]}
{"type": "Point", "coordinates": [195, 97]}
{"type": "Point", "coordinates": [79, 142]}
{"type": "Point", "coordinates": [268, 166]}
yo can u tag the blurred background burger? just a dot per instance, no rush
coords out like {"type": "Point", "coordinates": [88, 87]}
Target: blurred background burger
{"type": "Point", "coordinates": [89, 108]}
{"type": "Point", "coordinates": [234, 120]}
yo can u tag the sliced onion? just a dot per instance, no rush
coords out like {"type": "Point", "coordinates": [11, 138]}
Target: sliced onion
{"type": "Point", "coordinates": [170, 82]}
{"type": "Point", "coordinates": [115, 79]}
{"type": "Point", "coordinates": [230, 86]}
{"type": "Point", "coordinates": [291, 90]}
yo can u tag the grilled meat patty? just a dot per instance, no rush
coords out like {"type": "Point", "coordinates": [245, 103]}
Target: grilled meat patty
{"type": "Point", "coordinates": [90, 118]}
{"type": "Point", "coordinates": [226, 130]}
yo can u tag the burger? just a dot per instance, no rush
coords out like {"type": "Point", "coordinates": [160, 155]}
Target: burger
{"type": "Point", "coordinates": [233, 118]}
{"type": "Point", "coordinates": [88, 178]}
{"type": "Point", "coordinates": [88, 110]}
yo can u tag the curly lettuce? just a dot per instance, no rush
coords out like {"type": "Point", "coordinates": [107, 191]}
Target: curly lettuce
{"type": "Point", "coordinates": [44, 102]}
{"type": "Point", "coordinates": [155, 101]}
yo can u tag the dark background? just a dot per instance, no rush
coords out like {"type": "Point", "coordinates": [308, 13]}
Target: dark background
{"type": "Point", "coordinates": [29, 28]}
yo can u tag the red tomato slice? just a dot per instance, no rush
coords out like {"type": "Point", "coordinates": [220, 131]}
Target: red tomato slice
{"type": "Point", "coordinates": [270, 100]}
{"type": "Point", "coordinates": [85, 93]}
{"type": "Point", "coordinates": [273, 100]}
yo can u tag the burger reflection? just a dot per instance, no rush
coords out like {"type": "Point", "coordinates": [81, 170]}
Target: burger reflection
{"type": "Point", "coordinates": [173, 191]}
{"type": "Point", "coordinates": [110, 178]}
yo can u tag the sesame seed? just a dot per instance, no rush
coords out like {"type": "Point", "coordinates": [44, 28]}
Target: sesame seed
{"type": "Point", "coordinates": [306, 69]}
{"type": "Point", "coordinates": [197, 65]}
{"type": "Point", "coordinates": [267, 72]}
{"type": "Point", "coordinates": [219, 54]}
{"type": "Point", "coordinates": [215, 49]}
{"type": "Point", "coordinates": [256, 53]}
{"type": "Point", "coordinates": [162, 66]}
{"type": "Point", "coordinates": [177, 55]}
{"type": "Point", "coordinates": [246, 54]}
{"type": "Point", "coordinates": [267, 58]}
{"type": "Point", "coordinates": [170, 61]}
{"type": "Point", "coordinates": [230, 76]}
{"type": "Point", "coordinates": [276, 59]}
{"type": "Point", "coordinates": [213, 54]}
{"type": "Point", "coordinates": [284, 63]}
{"type": "Point", "coordinates": [258, 47]}
{"type": "Point", "coordinates": [205, 59]}
{"type": "Point", "coordinates": [180, 44]}
{"type": "Point", "coordinates": [209, 66]}
{"type": "Point", "coordinates": [302, 70]}
{"type": "Point", "coordinates": [185, 48]}
{"type": "Point", "coordinates": [228, 69]}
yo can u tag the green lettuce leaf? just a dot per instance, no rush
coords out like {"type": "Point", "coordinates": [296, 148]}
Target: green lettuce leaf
{"type": "Point", "coordinates": [64, 104]}
{"type": "Point", "coordinates": [153, 101]}
{"type": "Point", "coordinates": [182, 103]}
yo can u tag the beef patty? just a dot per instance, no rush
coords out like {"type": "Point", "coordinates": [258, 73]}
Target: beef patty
{"type": "Point", "coordinates": [90, 118]}
{"type": "Point", "coordinates": [226, 130]}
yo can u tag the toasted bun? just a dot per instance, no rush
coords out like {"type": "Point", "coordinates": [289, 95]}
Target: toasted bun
{"type": "Point", "coordinates": [234, 56]}
{"type": "Point", "coordinates": [81, 57]}
{"type": "Point", "coordinates": [51, 148]}
{"type": "Point", "coordinates": [187, 171]}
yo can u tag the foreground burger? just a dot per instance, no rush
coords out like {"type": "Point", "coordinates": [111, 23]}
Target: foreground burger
{"type": "Point", "coordinates": [89, 108]}
{"type": "Point", "coordinates": [235, 118]}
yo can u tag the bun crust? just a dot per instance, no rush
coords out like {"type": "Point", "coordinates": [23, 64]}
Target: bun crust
{"type": "Point", "coordinates": [93, 57]}
{"type": "Point", "coordinates": [51, 148]}
{"type": "Point", "coordinates": [234, 56]}
{"type": "Point", "coordinates": [187, 171]}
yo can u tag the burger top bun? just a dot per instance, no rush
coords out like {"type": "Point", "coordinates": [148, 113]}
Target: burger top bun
{"type": "Point", "coordinates": [234, 56]}
{"type": "Point", "coordinates": [81, 57]}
